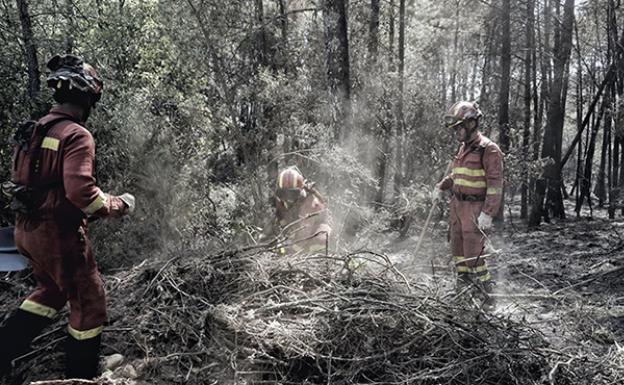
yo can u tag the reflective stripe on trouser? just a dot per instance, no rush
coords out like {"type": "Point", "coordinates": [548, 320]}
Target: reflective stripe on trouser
{"type": "Point", "coordinates": [65, 270]}
{"type": "Point", "coordinates": [467, 241]}
{"type": "Point", "coordinates": [480, 272]}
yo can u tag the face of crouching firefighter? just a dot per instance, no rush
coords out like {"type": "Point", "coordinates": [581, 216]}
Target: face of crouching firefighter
{"type": "Point", "coordinates": [291, 196]}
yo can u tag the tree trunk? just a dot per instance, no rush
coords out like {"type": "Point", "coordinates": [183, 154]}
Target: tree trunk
{"type": "Point", "coordinates": [30, 55]}
{"type": "Point", "coordinates": [589, 161]}
{"type": "Point", "coordinates": [503, 96]}
{"type": "Point", "coordinates": [453, 80]}
{"type": "Point", "coordinates": [261, 50]}
{"type": "Point", "coordinates": [600, 188]}
{"type": "Point", "coordinates": [391, 38]}
{"type": "Point", "coordinates": [579, 117]}
{"type": "Point", "coordinates": [526, 132]}
{"type": "Point", "coordinates": [486, 72]}
{"type": "Point", "coordinates": [553, 135]}
{"type": "Point", "coordinates": [337, 63]}
{"type": "Point", "coordinates": [398, 175]}
{"type": "Point", "coordinates": [373, 34]}
{"type": "Point", "coordinates": [382, 162]}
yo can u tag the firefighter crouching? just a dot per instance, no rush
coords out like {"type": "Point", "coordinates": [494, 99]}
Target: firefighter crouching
{"type": "Point", "coordinates": [55, 192]}
{"type": "Point", "coordinates": [301, 213]}
{"type": "Point", "coordinates": [476, 182]}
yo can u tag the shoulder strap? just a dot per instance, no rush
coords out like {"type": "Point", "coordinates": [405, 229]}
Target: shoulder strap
{"type": "Point", "coordinates": [37, 139]}
{"type": "Point", "coordinates": [483, 146]}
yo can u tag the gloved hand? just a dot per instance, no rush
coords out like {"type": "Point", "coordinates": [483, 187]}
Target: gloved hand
{"type": "Point", "coordinates": [484, 221]}
{"type": "Point", "coordinates": [128, 199]}
{"type": "Point", "coordinates": [436, 194]}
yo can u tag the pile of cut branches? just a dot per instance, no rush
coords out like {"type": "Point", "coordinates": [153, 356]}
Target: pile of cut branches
{"type": "Point", "coordinates": [255, 317]}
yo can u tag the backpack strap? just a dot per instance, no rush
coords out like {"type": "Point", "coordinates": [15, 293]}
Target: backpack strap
{"type": "Point", "coordinates": [481, 149]}
{"type": "Point", "coordinates": [38, 135]}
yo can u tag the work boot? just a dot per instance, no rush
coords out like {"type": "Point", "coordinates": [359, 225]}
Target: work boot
{"type": "Point", "coordinates": [82, 357]}
{"type": "Point", "coordinates": [16, 335]}
{"type": "Point", "coordinates": [489, 302]}
{"type": "Point", "coordinates": [463, 281]}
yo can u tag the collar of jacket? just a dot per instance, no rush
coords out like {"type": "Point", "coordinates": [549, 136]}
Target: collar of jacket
{"type": "Point", "coordinates": [69, 110]}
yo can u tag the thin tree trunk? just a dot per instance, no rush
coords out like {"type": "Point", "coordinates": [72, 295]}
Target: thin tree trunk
{"type": "Point", "coordinates": [283, 62]}
{"type": "Point", "coordinates": [503, 101]}
{"type": "Point", "coordinates": [526, 132]}
{"type": "Point", "coordinates": [484, 94]}
{"type": "Point", "coordinates": [398, 175]}
{"type": "Point", "coordinates": [30, 55]}
{"type": "Point", "coordinates": [391, 38]}
{"type": "Point", "coordinates": [473, 78]}
{"type": "Point", "coordinates": [503, 96]}
{"type": "Point", "coordinates": [453, 80]}
{"type": "Point", "coordinates": [579, 118]}
{"type": "Point", "coordinates": [589, 161]}
{"type": "Point", "coordinates": [337, 58]}
{"type": "Point", "coordinates": [373, 34]}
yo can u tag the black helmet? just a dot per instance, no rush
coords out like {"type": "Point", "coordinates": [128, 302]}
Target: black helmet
{"type": "Point", "coordinates": [70, 74]}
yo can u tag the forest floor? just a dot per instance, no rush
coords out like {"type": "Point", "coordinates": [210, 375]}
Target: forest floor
{"type": "Point", "coordinates": [566, 276]}
{"type": "Point", "coordinates": [565, 280]}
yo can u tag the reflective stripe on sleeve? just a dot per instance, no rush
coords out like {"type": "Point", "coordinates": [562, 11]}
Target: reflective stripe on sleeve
{"type": "Point", "coordinates": [494, 190]}
{"type": "Point", "coordinates": [38, 309]}
{"type": "Point", "coordinates": [97, 204]}
{"type": "Point", "coordinates": [469, 171]}
{"type": "Point", "coordinates": [50, 143]}
{"type": "Point", "coordinates": [85, 334]}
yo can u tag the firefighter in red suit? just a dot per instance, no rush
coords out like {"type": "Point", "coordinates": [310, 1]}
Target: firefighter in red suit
{"type": "Point", "coordinates": [56, 168]}
{"type": "Point", "coordinates": [476, 182]}
{"type": "Point", "coordinates": [301, 213]}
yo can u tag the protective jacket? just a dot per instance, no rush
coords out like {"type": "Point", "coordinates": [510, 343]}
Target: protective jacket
{"type": "Point", "coordinates": [476, 181]}
{"type": "Point", "coordinates": [58, 168]}
{"type": "Point", "coordinates": [305, 223]}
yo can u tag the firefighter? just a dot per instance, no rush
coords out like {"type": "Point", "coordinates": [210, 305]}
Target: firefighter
{"type": "Point", "coordinates": [57, 193]}
{"type": "Point", "coordinates": [476, 182]}
{"type": "Point", "coordinates": [301, 213]}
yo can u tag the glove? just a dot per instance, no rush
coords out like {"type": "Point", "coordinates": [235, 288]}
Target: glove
{"type": "Point", "coordinates": [128, 199]}
{"type": "Point", "coordinates": [484, 221]}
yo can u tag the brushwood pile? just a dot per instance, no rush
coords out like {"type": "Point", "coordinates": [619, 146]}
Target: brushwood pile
{"type": "Point", "coordinates": [252, 317]}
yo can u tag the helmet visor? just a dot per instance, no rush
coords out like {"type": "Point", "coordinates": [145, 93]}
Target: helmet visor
{"type": "Point", "coordinates": [451, 121]}
{"type": "Point", "coordinates": [288, 195]}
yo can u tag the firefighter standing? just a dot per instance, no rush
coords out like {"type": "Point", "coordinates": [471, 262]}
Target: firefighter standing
{"type": "Point", "coordinates": [55, 169]}
{"type": "Point", "coordinates": [476, 182]}
{"type": "Point", "coordinates": [301, 213]}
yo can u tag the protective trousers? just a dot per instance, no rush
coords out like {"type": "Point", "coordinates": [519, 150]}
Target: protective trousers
{"type": "Point", "coordinates": [467, 241]}
{"type": "Point", "coordinates": [65, 270]}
